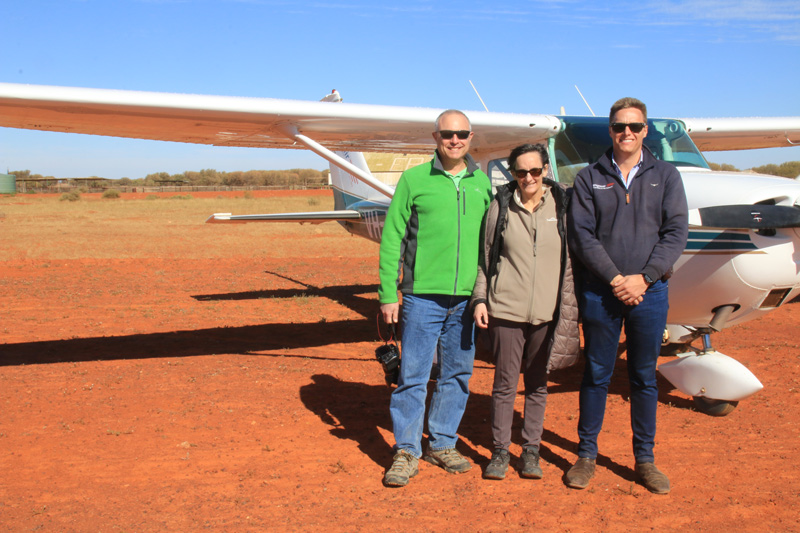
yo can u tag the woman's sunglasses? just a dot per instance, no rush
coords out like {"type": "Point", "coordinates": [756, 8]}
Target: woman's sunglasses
{"type": "Point", "coordinates": [520, 173]}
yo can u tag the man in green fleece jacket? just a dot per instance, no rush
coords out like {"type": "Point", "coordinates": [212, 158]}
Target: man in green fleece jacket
{"type": "Point", "coordinates": [429, 250]}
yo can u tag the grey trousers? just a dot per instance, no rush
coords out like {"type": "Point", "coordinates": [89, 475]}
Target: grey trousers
{"type": "Point", "coordinates": [519, 346]}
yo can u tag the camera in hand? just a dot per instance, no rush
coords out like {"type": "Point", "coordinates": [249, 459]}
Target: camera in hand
{"type": "Point", "coordinates": [389, 357]}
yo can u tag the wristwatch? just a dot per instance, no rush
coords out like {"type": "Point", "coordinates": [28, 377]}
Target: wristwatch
{"type": "Point", "coordinates": [648, 279]}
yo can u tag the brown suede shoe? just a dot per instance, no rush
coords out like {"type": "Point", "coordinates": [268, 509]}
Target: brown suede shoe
{"type": "Point", "coordinates": [581, 472]}
{"type": "Point", "coordinates": [652, 478]}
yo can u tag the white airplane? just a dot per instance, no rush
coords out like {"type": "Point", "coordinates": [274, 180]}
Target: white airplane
{"type": "Point", "coordinates": [743, 255]}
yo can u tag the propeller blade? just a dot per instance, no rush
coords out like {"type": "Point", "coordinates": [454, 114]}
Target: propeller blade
{"type": "Point", "coordinates": [746, 216]}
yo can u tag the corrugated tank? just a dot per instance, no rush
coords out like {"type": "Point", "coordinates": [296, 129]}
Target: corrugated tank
{"type": "Point", "coordinates": [8, 184]}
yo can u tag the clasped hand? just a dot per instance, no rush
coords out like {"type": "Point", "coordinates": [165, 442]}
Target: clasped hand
{"type": "Point", "coordinates": [629, 289]}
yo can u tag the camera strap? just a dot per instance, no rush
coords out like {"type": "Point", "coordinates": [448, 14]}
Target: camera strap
{"type": "Point", "coordinates": [392, 331]}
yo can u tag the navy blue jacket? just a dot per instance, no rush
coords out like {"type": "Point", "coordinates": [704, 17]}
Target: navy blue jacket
{"type": "Point", "coordinates": [642, 230]}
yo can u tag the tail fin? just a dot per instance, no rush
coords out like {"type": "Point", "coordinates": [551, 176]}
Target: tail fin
{"type": "Point", "coordinates": [347, 189]}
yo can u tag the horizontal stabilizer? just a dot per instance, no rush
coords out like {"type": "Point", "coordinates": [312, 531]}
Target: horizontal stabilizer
{"type": "Point", "coordinates": [745, 216]}
{"type": "Point", "coordinates": [314, 217]}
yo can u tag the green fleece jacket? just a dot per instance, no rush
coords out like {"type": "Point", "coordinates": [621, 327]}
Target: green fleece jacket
{"type": "Point", "coordinates": [432, 232]}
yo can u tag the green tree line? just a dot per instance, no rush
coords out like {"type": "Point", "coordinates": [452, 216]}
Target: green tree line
{"type": "Point", "coordinates": [307, 177]}
{"type": "Point", "coordinates": [26, 174]}
{"type": "Point", "coordinates": [790, 169]}
{"type": "Point", "coordinates": [239, 178]}
{"type": "Point", "coordinates": [295, 177]}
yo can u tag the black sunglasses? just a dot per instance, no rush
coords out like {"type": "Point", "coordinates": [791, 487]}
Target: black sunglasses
{"type": "Point", "coordinates": [619, 127]}
{"type": "Point", "coordinates": [520, 173]}
{"type": "Point", "coordinates": [448, 134]}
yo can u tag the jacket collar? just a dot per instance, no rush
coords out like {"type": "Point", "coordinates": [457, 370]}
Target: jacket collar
{"type": "Point", "coordinates": [559, 192]}
{"type": "Point", "coordinates": [508, 189]}
{"type": "Point", "coordinates": [648, 161]}
{"type": "Point", "coordinates": [472, 166]}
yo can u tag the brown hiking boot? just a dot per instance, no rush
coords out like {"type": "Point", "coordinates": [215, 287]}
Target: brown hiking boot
{"type": "Point", "coordinates": [581, 472]}
{"type": "Point", "coordinates": [404, 467]}
{"type": "Point", "coordinates": [652, 478]}
{"type": "Point", "coordinates": [449, 459]}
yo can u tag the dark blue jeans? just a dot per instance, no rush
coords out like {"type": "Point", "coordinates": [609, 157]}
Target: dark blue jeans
{"type": "Point", "coordinates": [603, 318]}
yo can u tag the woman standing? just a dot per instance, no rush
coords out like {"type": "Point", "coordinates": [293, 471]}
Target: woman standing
{"type": "Point", "coordinates": [525, 296]}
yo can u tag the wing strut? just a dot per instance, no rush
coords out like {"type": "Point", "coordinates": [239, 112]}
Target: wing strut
{"type": "Point", "coordinates": [340, 162]}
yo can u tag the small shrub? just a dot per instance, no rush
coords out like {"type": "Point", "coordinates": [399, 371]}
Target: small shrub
{"type": "Point", "coordinates": [313, 201]}
{"type": "Point", "coordinates": [72, 196]}
{"type": "Point", "coordinates": [248, 195]}
{"type": "Point", "coordinates": [111, 193]}
{"type": "Point", "coordinates": [151, 197]}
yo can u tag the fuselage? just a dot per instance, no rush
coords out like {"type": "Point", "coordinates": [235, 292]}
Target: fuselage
{"type": "Point", "coordinates": [754, 271]}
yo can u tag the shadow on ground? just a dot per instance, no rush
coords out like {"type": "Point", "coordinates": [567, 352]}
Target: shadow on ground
{"type": "Point", "coordinates": [358, 411]}
{"type": "Point", "coordinates": [222, 340]}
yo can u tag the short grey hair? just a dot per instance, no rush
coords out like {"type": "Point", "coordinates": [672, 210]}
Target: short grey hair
{"type": "Point", "coordinates": [450, 112]}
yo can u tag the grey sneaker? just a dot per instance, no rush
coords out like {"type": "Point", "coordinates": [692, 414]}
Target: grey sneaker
{"type": "Point", "coordinates": [581, 472]}
{"type": "Point", "coordinates": [529, 464]}
{"type": "Point", "coordinates": [449, 459]}
{"type": "Point", "coordinates": [652, 478]}
{"type": "Point", "coordinates": [404, 467]}
{"type": "Point", "coordinates": [498, 466]}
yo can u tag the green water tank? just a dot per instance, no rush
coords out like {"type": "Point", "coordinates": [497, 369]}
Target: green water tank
{"type": "Point", "coordinates": [8, 184]}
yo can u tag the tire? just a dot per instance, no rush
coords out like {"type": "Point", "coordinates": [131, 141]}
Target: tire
{"type": "Point", "coordinates": [714, 407]}
{"type": "Point", "coordinates": [674, 348]}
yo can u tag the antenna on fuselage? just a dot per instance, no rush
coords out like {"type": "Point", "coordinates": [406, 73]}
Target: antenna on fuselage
{"type": "Point", "coordinates": [585, 102]}
{"type": "Point", "coordinates": [479, 96]}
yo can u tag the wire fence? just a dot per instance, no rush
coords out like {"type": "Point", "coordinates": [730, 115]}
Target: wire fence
{"type": "Point", "coordinates": [27, 188]}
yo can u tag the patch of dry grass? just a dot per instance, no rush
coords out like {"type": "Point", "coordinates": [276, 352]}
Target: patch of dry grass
{"type": "Point", "coordinates": [36, 227]}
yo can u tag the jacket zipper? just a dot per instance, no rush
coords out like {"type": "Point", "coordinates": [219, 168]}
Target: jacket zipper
{"type": "Point", "coordinates": [458, 241]}
{"type": "Point", "coordinates": [531, 298]}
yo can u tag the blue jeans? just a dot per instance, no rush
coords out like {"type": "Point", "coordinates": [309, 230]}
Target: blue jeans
{"type": "Point", "coordinates": [431, 322]}
{"type": "Point", "coordinates": [603, 317]}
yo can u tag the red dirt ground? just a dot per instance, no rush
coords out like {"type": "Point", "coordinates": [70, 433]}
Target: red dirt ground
{"type": "Point", "coordinates": [242, 394]}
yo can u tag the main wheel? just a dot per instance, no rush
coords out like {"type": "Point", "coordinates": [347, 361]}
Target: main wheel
{"type": "Point", "coordinates": [714, 407]}
{"type": "Point", "coordinates": [674, 348]}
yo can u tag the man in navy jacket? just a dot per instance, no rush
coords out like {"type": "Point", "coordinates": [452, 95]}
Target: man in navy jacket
{"type": "Point", "coordinates": [628, 225]}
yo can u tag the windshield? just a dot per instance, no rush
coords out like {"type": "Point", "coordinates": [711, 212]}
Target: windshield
{"type": "Point", "coordinates": [585, 139]}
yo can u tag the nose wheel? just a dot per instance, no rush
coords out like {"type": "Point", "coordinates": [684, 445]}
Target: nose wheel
{"type": "Point", "coordinates": [708, 406]}
{"type": "Point", "coordinates": [712, 407]}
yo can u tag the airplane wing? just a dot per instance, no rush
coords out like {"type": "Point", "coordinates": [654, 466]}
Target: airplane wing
{"type": "Point", "coordinates": [253, 122]}
{"type": "Point", "coordinates": [715, 134]}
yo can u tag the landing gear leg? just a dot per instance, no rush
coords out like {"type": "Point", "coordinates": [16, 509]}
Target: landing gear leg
{"type": "Point", "coordinates": [710, 406]}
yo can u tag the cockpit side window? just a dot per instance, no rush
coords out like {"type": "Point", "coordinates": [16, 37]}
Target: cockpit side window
{"type": "Point", "coordinates": [584, 139]}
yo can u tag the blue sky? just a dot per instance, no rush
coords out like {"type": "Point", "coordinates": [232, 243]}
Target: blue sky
{"type": "Point", "coordinates": [700, 58]}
